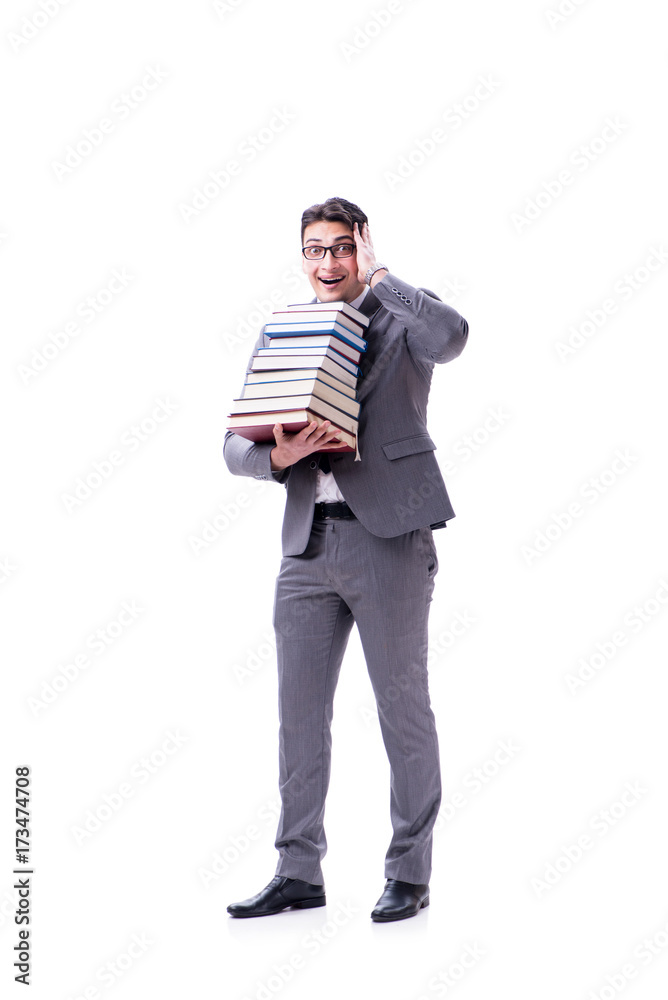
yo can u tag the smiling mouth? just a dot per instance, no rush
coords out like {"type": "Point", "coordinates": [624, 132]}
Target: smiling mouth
{"type": "Point", "coordinates": [331, 281]}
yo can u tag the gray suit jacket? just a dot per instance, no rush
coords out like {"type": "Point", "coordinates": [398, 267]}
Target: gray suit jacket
{"type": "Point", "coordinates": [397, 486]}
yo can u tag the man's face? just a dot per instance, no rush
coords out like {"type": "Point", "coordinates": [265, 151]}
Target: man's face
{"type": "Point", "coordinates": [332, 279]}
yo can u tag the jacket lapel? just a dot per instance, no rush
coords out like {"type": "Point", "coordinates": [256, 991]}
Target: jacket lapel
{"type": "Point", "coordinates": [369, 306]}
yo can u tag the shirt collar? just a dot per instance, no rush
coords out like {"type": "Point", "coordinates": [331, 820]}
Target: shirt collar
{"type": "Point", "coordinates": [356, 303]}
{"type": "Point", "coordinates": [360, 298]}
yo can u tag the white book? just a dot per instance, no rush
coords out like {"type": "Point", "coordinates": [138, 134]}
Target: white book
{"type": "Point", "coordinates": [290, 375]}
{"type": "Point", "coordinates": [340, 306]}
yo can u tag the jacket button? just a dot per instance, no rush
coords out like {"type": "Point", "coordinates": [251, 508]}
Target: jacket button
{"type": "Point", "coordinates": [313, 465]}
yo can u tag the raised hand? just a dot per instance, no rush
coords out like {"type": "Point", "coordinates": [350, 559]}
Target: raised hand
{"type": "Point", "coordinates": [366, 255]}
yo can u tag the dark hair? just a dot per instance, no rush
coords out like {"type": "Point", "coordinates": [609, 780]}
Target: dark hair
{"type": "Point", "coordinates": [334, 210]}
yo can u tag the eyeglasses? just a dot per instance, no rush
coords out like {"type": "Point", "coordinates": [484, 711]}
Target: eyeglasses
{"type": "Point", "coordinates": [338, 250]}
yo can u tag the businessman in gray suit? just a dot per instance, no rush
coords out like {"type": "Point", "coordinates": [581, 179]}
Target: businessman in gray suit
{"type": "Point", "coordinates": [358, 548]}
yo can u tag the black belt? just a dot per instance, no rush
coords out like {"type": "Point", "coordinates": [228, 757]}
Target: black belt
{"type": "Point", "coordinates": [339, 511]}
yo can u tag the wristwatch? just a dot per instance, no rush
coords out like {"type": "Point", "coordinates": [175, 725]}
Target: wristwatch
{"type": "Point", "coordinates": [372, 270]}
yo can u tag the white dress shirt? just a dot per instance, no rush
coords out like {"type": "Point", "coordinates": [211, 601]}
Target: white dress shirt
{"type": "Point", "coordinates": [326, 488]}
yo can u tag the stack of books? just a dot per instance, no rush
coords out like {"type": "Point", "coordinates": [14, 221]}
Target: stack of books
{"type": "Point", "coordinates": [308, 372]}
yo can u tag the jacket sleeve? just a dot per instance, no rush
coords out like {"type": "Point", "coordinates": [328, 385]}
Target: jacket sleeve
{"type": "Point", "coordinates": [435, 332]}
{"type": "Point", "coordinates": [250, 458]}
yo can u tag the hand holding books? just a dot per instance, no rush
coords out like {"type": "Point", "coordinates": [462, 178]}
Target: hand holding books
{"type": "Point", "coordinates": [291, 447]}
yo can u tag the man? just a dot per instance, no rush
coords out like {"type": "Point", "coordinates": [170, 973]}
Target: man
{"type": "Point", "coordinates": [358, 548]}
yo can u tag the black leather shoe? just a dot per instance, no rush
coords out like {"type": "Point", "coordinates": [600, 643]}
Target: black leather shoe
{"type": "Point", "coordinates": [400, 900]}
{"type": "Point", "coordinates": [278, 895]}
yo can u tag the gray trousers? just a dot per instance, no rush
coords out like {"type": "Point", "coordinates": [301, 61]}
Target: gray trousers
{"type": "Point", "coordinates": [347, 575]}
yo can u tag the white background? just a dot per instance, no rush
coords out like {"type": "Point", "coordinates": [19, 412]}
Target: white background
{"type": "Point", "coordinates": [194, 551]}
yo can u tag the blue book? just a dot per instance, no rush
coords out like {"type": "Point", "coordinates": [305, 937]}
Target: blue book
{"type": "Point", "coordinates": [275, 358]}
{"type": "Point", "coordinates": [295, 328]}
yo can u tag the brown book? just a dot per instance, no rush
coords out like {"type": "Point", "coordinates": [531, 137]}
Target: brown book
{"type": "Point", "coordinates": [340, 306]}
{"type": "Point", "coordinates": [286, 391]}
{"type": "Point", "coordinates": [342, 415]}
{"type": "Point", "coordinates": [260, 426]}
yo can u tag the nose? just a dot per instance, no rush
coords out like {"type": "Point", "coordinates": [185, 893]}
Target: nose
{"type": "Point", "coordinates": [333, 262]}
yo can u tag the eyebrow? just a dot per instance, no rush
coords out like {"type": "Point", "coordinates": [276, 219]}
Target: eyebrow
{"type": "Point", "coordinates": [339, 239]}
